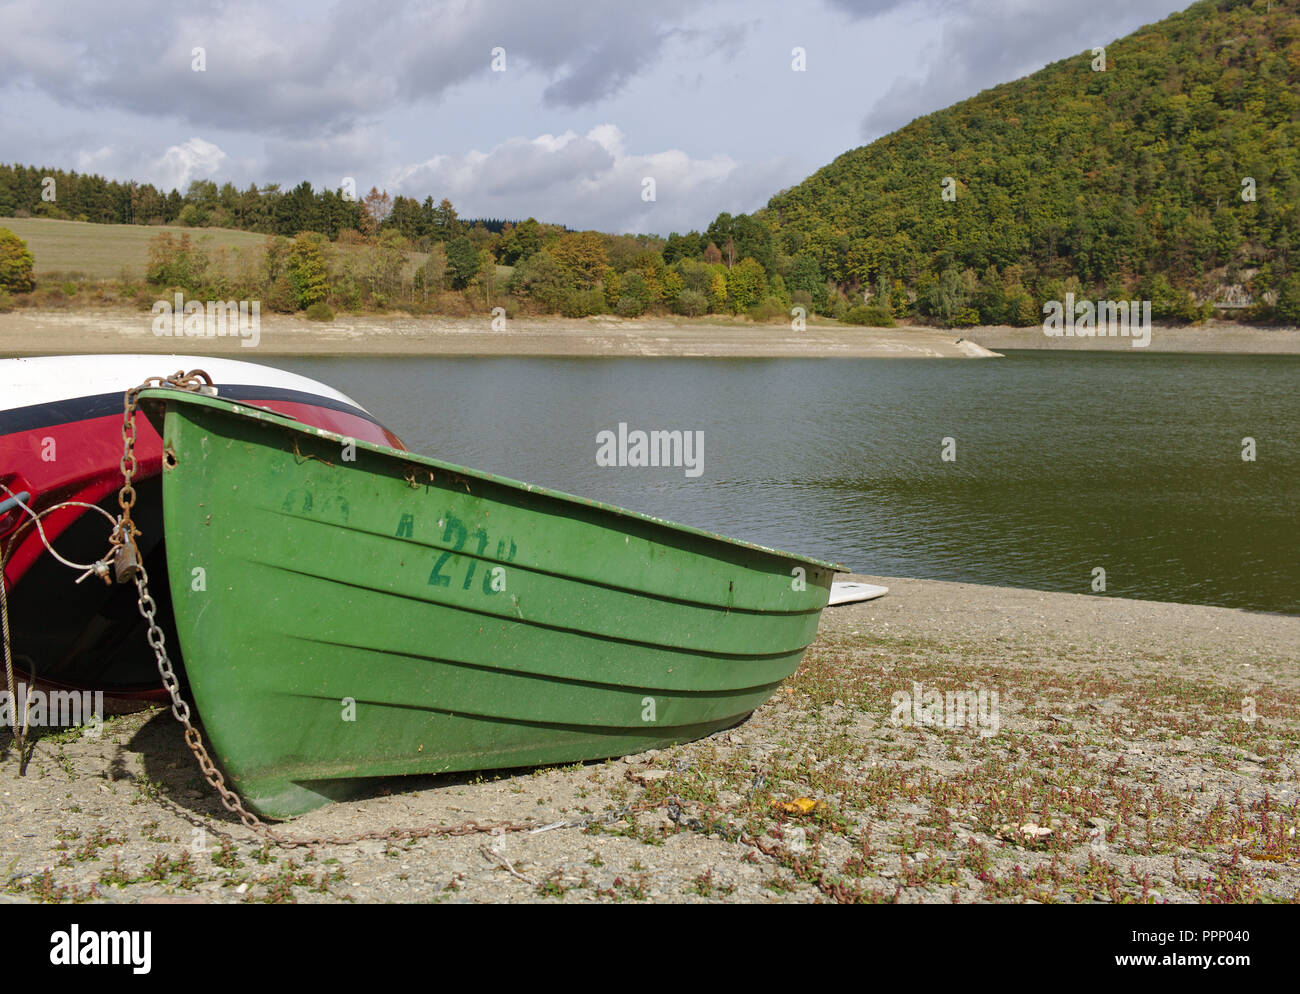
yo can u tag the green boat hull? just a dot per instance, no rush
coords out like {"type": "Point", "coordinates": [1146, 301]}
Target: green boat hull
{"type": "Point", "coordinates": [351, 611]}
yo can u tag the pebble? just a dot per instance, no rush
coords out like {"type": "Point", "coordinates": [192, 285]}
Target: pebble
{"type": "Point", "coordinates": [647, 777]}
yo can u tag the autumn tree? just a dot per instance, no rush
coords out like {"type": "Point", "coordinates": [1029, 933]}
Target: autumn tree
{"type": "Point", "coordinates": [671, 287]}
{"type": "Point", "coordinates": [432, 275]}
{"type": "Point", "coordinates": [613, 288]}
{"type": "Point", "coordinates": [16, 263]}
{"type": "Point", "coordinates": [308, 273]}
{"type": "Point", "coordinates": [746, 284]}
{"type": "Point", "coordinates": [542, 279]}
{"type": "Point", "coordinates": [375, 208]}
{"type": "Point", "coordinates": [446, 224]}
{"type": "Point", "coordinates": [389, 260]}
{"type": "Point", "coordinates": [718, 290]}
{"type": "Point", "coordinates": [173, 261]}
{"type": "Point", "coordinates": [582, 254]}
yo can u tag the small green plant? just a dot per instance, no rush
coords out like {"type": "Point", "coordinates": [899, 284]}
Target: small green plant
{"type": "Point", "coordinates": [706, 886]}
{"type": "Point", "coordinates": [227, 857]}
{"type": "Point", "coordinates": [149, 830]}
{"type": "Point", "coordinates": [780, 884]}
{"type": "Point", "coordinates": [552, 886]}
{"type": "Point", "coordinates": [94, 843]}
{"type": "Point", "coordinates": [115, 876]}
{"type": "Point", "coordinates": [626, 889]}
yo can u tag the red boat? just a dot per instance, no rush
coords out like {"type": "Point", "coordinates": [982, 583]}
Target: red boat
{"type": "Point", "coordinates": [61, 440]}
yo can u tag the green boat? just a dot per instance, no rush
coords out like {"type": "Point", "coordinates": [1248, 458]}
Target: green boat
{"type": "Point", "coordinates": [347, 610]}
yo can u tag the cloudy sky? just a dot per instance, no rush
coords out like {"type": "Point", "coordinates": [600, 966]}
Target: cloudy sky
{"type": "Point", "coordinates": [594, 97]}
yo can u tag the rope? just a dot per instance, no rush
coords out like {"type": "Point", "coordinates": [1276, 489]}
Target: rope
{"type": "Point", "coordinates": [20, 735]}
{"type": "Point", "coordinates": [99, 568]}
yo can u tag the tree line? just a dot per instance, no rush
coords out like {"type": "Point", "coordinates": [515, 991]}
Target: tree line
{"type": "Point", "coordinates": [1166, 170]}
{"type": "Point", "coordinates": [1164, 166]}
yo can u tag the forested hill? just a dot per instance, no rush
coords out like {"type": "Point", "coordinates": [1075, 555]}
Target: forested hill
{"type": "Point", "coordinates": [1123, 178]}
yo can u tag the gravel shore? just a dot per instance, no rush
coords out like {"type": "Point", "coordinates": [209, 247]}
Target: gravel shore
{"type": "Point", "coordinates": [1112, 751]}
{"type": "Point", "coordinates": [62, 332]}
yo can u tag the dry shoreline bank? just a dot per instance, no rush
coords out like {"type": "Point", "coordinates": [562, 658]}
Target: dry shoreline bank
{"type": "Point", "coordinates": [51, 333]}
{"type": "Point", "coordinates": [59, 332]}
{"type": "Point", "coordinates": [1210, 337]}
{"type": "Point", "coordinates": [1142, 751]}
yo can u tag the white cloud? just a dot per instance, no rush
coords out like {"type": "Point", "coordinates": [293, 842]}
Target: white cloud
{"type": "Point", "coordinates": [593, 181]}
{"type": "Point", "coordinates": [191, 160]}
{"type": "Point", "coordinates": [401, 93]}
{"type": "Point", "coordinates": [95, 160]}
{"type": "Point", "coordinates": [306, 69]}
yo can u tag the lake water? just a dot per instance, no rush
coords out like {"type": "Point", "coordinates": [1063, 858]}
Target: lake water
{"type": "Point", "coordinates": [1064, 461]}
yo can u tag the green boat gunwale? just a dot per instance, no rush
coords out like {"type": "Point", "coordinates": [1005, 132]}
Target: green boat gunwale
{"type": "Point", "coordinates": [153, 402]}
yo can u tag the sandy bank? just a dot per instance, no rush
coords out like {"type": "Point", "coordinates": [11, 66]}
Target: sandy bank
{"type": "Point", "coordinates": [1124, 751]}
{"type": "Point", "coordinates": [60, 332]}
{"type": "Point", "coordinates": [76, 331]}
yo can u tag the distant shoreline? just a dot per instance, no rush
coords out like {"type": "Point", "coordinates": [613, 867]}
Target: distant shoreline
{"type": "Point", "coordinates": [1210, 337]}
{"type": "Point", "coordinates": [28, 332]}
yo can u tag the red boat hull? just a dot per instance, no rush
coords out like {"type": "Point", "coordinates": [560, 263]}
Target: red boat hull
{"type": "Point", "coordinates": [81, 635]}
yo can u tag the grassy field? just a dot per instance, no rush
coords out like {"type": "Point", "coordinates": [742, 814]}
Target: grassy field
{"type": "Point", "coordinates": [78, 250]}
{"type": "Point", "coordinates": [75, 249]}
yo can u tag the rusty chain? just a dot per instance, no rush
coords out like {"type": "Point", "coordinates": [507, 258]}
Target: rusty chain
{"type": "Point", "coordinates": [123, 549]}
{"type": "Point", "coordinates": [131, 566]}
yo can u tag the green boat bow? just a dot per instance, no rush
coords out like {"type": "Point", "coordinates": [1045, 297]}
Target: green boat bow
{"type": "Point", "coordinates": [349, 611]}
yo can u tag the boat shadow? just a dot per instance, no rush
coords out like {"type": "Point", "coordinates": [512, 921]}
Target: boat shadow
{"type": "Point", "coordinates": [172, 778]}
